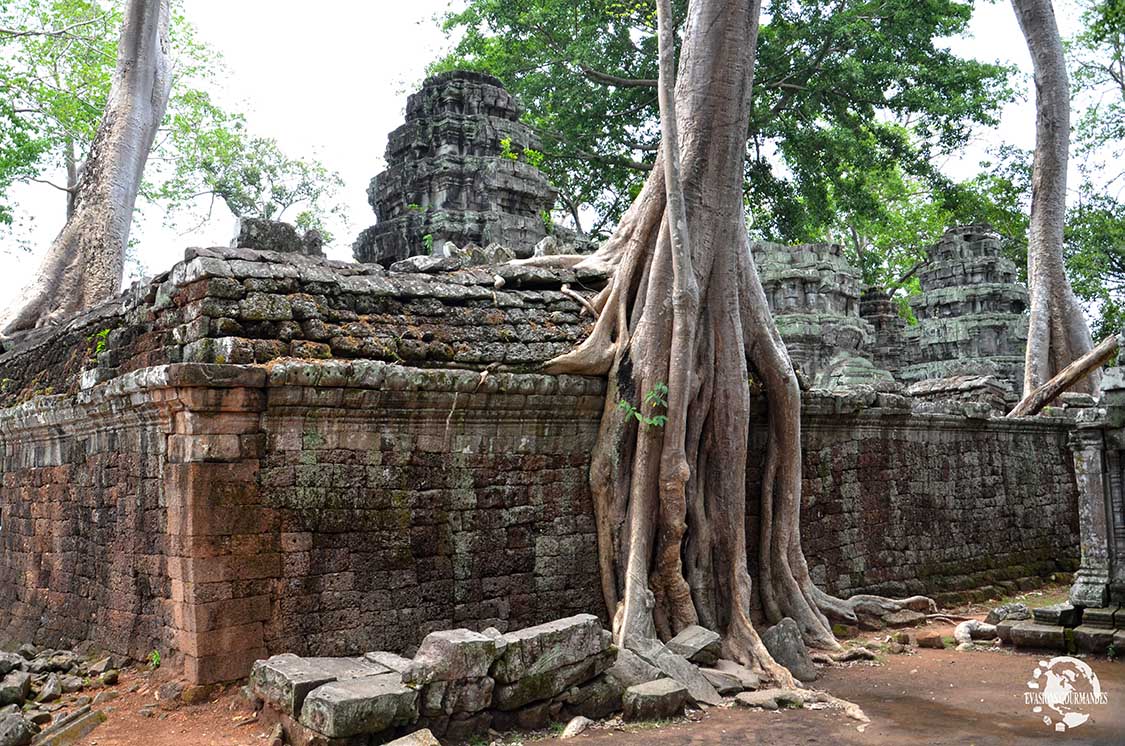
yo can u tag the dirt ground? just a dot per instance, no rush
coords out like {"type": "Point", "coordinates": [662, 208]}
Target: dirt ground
{"type": "Point", "coordinates": [930, 697]}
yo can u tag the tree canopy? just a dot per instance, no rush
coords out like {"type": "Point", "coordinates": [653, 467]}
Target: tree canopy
{"type": "Point", "coordinates": [848, 95]}
{"type": "Point", "coordinates": [58, 57]}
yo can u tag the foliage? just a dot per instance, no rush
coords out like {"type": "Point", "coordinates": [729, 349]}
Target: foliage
{"type": "Point", "coordinates": [845, 92]}
{"type": "Point", "coordinates": [1095, 231]}
{"type": "Point", "coordinates": [154, 660]}
{"type": "Point", "coordinates": [656, 399]}
{"type": "Point", "coordinates": [58, 61]}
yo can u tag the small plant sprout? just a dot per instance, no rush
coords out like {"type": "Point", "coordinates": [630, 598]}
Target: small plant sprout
{"type": "Point", "coordinates": [506, 149]}
{"type": "Point", "coordinates": [428, 242]}
{"type": "Point", "coordinates": [655, 399]}
{"type": "Point", "coordinates": [153, 660]}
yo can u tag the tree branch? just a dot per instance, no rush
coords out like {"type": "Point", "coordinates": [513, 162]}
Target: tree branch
{"type": "Point", "coordinates": [614, 80]}
{"type": "Point", "coordinates": [14, 34]}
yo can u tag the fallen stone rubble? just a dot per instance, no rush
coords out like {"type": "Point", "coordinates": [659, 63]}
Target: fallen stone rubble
{"type": "Point", "coordinates": [461, 684]}
{"type": "Point", "coordinates": [42, 698]}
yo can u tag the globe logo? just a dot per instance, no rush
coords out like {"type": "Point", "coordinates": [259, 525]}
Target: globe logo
{"type": "Point", "coordinates": [1062, 691]}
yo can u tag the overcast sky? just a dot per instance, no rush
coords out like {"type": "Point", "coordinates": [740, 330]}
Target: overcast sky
{"type": "Point", "coordinates": [332, 82]}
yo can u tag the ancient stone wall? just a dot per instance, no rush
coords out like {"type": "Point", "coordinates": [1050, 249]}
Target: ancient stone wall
{"type": "Point", "coordinates": [410, 501]}
{"type": "Point", "coordinates": [220, 512]}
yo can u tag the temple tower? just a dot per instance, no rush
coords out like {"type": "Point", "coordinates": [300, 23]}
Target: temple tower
{"type": "Point", "coordinates": [460, 169]}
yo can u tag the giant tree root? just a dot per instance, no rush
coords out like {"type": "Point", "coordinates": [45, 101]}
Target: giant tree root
{"type": "Point", "coordinates": [682, 330]}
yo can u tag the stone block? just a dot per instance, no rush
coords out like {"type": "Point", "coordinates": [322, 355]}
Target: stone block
{"type": "Point", "coordinates": [10, 662]}
{"type": "Point", "coordinates": [284, 681]}
{"type": "Point", "coordinates": [550, 683]}
{"type": "Point", "coordinates": [451, 697]}
{"type": "Point", "coordinates": [15, 730]}
{"type": "Point", "coordinates": [1036, 635]}
{"type": "Point", "coordinates": [679, 668]}
{"type": "Point", "coordinates": [655, 700]}
{"type": "Point", "coordinates": [1089, 639]}
{"type": "Point", "coordinates": [361, 706]}
{"type": "Point", "coordinates": [904, 618]}
{"type": "Point", "coordinates": [1102, 618]}
{"type": "Point", "coordinates": [544, 647]}
{"type": "Point", "coordinates": [451, 655]}
{"type": "Point", "coordinates": [15, 687]}
{"type": "Point", "coordinates": [698, 644]}
{"type": "Point", "coordinates": [787, 647]}
{"type": "Point", "coordinates": [595, 699]}
{"type": "Point", "coordinates": [1063, 615]}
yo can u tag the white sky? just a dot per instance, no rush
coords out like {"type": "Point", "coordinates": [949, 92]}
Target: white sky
{"type": "Point", "coordinates": [333, 81]}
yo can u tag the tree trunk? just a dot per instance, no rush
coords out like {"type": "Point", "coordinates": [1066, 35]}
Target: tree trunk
{"type": "Point", "coordinates": [685, 310]}
{"type": "Point", "coordinates": [1057, 332]}
{"type": "Point", "coordinates": [1084, 366]}
{"type": "Point", "coordinates": [84, 263]}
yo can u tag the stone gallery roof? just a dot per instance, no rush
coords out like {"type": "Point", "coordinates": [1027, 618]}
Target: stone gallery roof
{"type": "Point", "coordinates": [224, 305]}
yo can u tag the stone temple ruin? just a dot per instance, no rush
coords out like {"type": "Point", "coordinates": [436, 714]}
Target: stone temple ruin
{"type": "Point", "coordinates": [263, 455]}
{"type": "Point", "coordinates": [971, 328]}
{"type": "Point", "coordinates": [450, 179]}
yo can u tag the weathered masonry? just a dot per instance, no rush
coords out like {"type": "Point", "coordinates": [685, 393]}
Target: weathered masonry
{"type": "Point", "coordinates": [262, 452]}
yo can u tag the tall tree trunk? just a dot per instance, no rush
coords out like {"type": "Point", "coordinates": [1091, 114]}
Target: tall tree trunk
{"type": "Point", "coordinates": [1057, 332]}
{"type": "Point", "coordinates": [84, 263]}
{"type": "Point", "coordinates": [685, 310]}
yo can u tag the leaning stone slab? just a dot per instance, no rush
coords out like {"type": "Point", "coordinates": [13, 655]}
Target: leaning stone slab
{"type": "Point", "coordinates": [698, 644]}
{"type": "Point", "coordinates": [285, 680]}
{"type": "Point", "coordinates": [788, 648]}
{"type": "Point", "coordinates": [680, 669]}
{"type": "Point", "coordinates": [363, 706]}
{"type": "Point", "coordinates": [747, 678]}
{"type": "Point", "coordinates": [630, 669]}
{"type": "Point", "coordinates": [724, 683]}
{"type": "Point", "coordinates": [656, 700]}
{"type": "Point", "coordinates": [71, 730]}
{"type": "Point", "coordinates": [418, 738]}
{"type": "Point", "coordinates": [1035, 635]}
{"type": "Point", "coordinates": [548, 684]}
{"type": "Point", "coordinates": [545, 647]}
{"type": "Point", "coordinates": [451, 655]}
